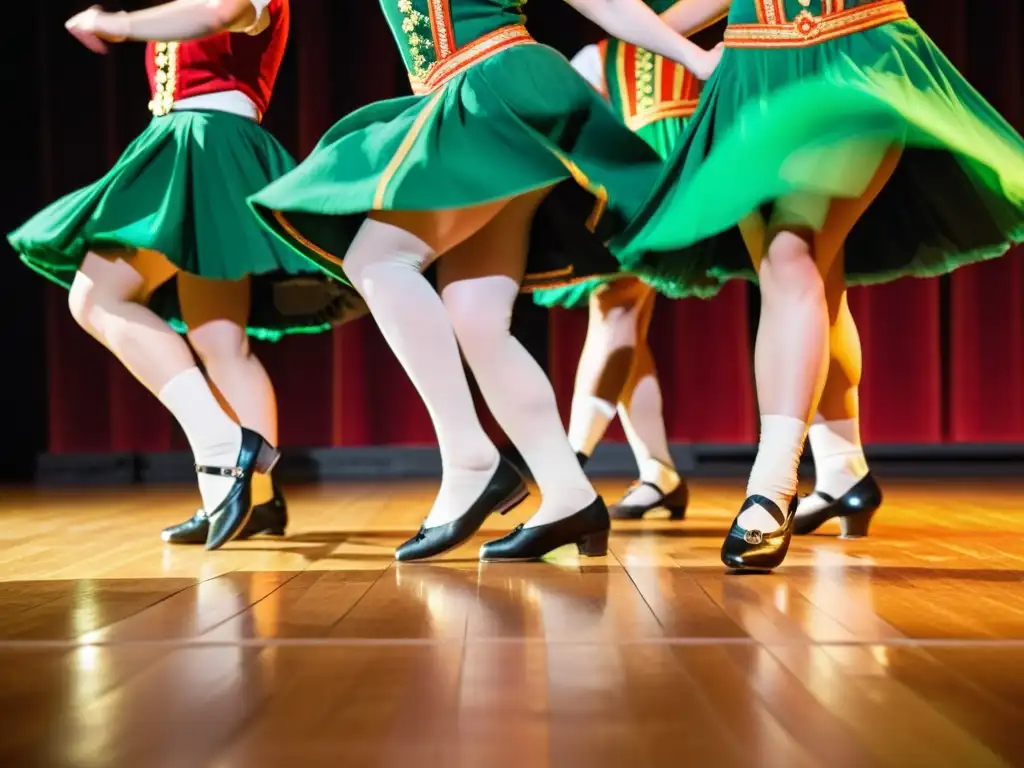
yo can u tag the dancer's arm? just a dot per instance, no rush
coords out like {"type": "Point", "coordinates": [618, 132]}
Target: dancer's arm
{"type": "Point", "coordinates": [687, 17]}
{"type": "Point", "coordinates": [176, 20]}
{"type": "Point", "coordinates": [634, 22]}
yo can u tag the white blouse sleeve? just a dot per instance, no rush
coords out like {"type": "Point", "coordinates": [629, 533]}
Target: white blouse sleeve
{"type": "Point", "coordinates": [589, 64]}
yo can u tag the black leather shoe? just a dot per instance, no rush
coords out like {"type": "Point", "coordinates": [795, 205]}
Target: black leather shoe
{"type": "Point", "coordinates": [587, 529]}
{"type": "Point", "coordinates": [855, 508]}
{"type": "Point", "coordinates": [268, 519]}
{"type": "Point", "coordinates": [505, 491]}
{"type": "Point", "coordinates": [675, 502]}
{"type": "Point", "coordinates": [231, 516]}
{"type": "Point", "coordinates": [755, 551]}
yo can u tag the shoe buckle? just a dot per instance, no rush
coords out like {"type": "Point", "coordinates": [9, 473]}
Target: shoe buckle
{"type": "Point", "coordinates": [235, 472]}
{"type": "Point", "coordinates": [753, 537]}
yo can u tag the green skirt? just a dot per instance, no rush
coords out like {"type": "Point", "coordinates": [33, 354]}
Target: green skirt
{"type": "Point", "coordinates": [800, 124]}
{"type": "Point", "coordinates": [519, 121]}
{"type": "Point", "coordinates": [660, 136]}
{"type": "Point", "coordinates": [180, 189]}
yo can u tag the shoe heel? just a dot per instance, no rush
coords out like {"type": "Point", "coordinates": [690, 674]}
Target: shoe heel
{"type": "Point", "coordinates": [855, 526]}
{"type": "Point", "coordinates": [677, 502]}
{"type": "Point", "coordinates": [266, 459]}
{"type": "Point", "coordinates": [593, 544]}
{"type": "Point", "coordinates": [513, 501]}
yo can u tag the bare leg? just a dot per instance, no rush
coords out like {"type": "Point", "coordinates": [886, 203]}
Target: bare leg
{"type": "Point", "coordinates": [479, 283]}
{"type": "Point", "coordinates": [216, 312]}
{"type": "Point", "coordinates": [835, 432]}
{"type": "Point", "coordinates": [106, 300]}
{"type": "Point", "coordinates": [606, 361]}
{"type": "Point", "coordinates": [798, 273]}
{"type": "Point", "coordinates": [640, 409]}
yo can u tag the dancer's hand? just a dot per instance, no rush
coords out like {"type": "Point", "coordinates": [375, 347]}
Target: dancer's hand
{"type": "Point", "coordinates": [705, 63]}
{"type": "Point", "coordinates": [94, 28]}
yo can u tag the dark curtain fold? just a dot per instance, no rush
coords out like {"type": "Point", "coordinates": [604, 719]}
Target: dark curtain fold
{"type": "Point", "coordinates": [944, 359]}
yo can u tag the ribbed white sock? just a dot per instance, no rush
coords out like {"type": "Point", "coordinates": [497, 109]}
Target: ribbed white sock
{"type": "Point", "coordinates": [839, 461]}
{"type": "Point", "coordinates": [214, 438]}
{"type": "Point", "coordinates": [775, 470]}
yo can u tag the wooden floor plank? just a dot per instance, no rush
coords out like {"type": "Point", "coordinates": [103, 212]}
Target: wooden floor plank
{"type": "Point", "coordinates": [116, 650]}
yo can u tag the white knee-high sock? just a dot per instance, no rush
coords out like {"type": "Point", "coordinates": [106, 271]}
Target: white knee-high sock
{"type": "Point", "coordinates": [588, 421]}
{"type": "Point", "coordinates": [517, 392]}
{"type": "Point", "coordinates": [774, 474]}
{"type": "Point", "coordinates": [839, 461]}
{"type": "Point", "coordinates": [214, 438]}
{"type": "Point", "coordinates": [385, 265]}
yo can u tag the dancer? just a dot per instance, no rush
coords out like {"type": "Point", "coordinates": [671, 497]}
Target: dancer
{"type": "Point", "coordinates": [457, 172]}
{"type": "Point", "coordinates": [165, 241]}
{"type": "Point", "coordinates": [654, 96]}
{"type": "Point", "coordinates": [848, 150]}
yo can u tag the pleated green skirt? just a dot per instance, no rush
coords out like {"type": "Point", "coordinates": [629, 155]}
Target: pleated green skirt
{"type": "Point", "coordinates": [808, 124]}
{"type": "Point", "coordinates": [661, 136]}
{"type": "Point", "coordinates": [519, 121]}
{"type": "Point", "coordinates": [180, 189]}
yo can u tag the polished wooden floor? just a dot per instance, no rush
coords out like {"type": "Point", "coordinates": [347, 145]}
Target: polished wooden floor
{"type": "Point", "coordinates": [903, 650]}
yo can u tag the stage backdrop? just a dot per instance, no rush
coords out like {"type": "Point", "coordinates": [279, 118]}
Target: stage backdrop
{"type": "Point", "coordinates": [944, 359]}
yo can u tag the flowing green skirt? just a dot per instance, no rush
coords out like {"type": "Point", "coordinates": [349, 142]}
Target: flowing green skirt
{"type": "Point", "coordinates": [661, 136]}
{"type": "Point", "coordinates": [180, 189]}
{"type": "Point", "coordinates": [803, 125]}
{"type": "Point", "coordinates": [519, 121]}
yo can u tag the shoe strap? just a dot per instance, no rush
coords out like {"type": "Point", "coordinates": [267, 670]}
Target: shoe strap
{"type": "Point", "coordinates": [767, 505]}
{"type": "Point", "coordinates": [235, 472]}
{"type": "Point", "coordinates": [641, 484]}
{"type": "Point", "coordinates": [822, 495]}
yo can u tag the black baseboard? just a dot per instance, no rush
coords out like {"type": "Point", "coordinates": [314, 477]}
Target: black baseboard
{"type": "Point", "coordinates": [609, 460]}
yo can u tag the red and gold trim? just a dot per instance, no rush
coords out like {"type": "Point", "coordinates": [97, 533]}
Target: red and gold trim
{"type": "Point", "coordinates": [652, 87]}
{"type": "Point", "coordinates": [166, 78]}
{"type": "Point", "coordinates": [480, 49]}
{"type": "Point", "coordinates": [442, 28]}
{"type": "Point", "coordinates": [807, 29]}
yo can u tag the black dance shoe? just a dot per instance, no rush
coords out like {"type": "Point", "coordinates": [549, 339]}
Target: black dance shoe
{"type": "Point", "coordinates": [268, 519]}
{"type": "Point", "coordinates": [582, 458]}
{"type": "Point", "coordinates": [505, 491]}
{"type": "Point", "coordinates": [675, 502]}
{"type": "Point", "coordinates": [232, 515]}
{"type": "Point", "coordinates": [587, 529]}
{"type": "Point", "coordinates": [753, 550]}
{"type": "Point", "coordinates": [855, 508]}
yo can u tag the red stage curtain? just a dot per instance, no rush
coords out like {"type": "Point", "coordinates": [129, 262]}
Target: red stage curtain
{"type": "Point", "coordinates": [944, 359]}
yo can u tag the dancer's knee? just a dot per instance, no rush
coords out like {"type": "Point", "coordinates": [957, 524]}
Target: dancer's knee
{"type": "Point", "coordinates": [789, 271]}
{"type": "Point", "coordinates": [379, 246]}
{"type": "Point", "coordinates": [480, 311]}
{"type": "Point", "coordinates": [219, 341]}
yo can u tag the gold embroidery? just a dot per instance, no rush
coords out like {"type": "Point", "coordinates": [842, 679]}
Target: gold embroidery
{"type": "Point", "coordinates": [419, 44]}
{"type": "Point", "coordinates": [807, 29]}
{"type": "Point", "coordinates": [440, 24]}
{"type": "Point", "coordinates": [166, 58]}
{"type": "Point", "coordinates": [482, 48]}
{"type": "Point", "coordinates": [680, 109]}
{"type": "Point", "coordinates": [644, 63]}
